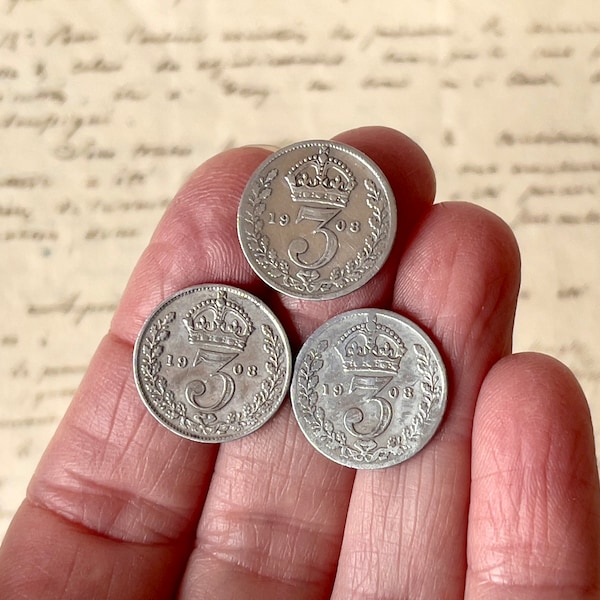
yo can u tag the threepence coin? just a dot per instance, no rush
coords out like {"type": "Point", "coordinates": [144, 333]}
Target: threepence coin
{"type": "Point", "coordinates": [317, 220]}
{"type": "Point", "coordinates": [369, 389]}
{"type": "Point", "coordinates": [212, 363]}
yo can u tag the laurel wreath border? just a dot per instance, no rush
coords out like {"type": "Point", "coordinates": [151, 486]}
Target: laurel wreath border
{"type": "Point", "coordinates": [278, 268]}
{"type": "Point", "coordinates": [209, 424]}
{"type": "Point", "coordinates": [367, 451]}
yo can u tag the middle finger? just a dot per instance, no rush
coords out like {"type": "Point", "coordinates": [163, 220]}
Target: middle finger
{"type": "Point", "coordinates": [274, 517]}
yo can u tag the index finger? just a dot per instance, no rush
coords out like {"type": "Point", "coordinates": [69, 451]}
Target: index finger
{"type": "Point", "coordinates": [111, 473]}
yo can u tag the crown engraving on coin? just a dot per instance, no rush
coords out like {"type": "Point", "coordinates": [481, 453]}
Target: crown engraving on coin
{"type": "Point", "coordinates": [371, 347]}
{"type": "Point", "coordinates": [321, 179]}
{"type": "Point", "coordinates": [218, 324]}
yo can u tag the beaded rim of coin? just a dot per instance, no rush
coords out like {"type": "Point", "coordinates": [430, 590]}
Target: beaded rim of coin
{"type": "Point", "coordinates": [317, 219]}
{"type": "Point", "coordinates": [390, 368]}
{"type": "Point", "coordinates": [196, 365]}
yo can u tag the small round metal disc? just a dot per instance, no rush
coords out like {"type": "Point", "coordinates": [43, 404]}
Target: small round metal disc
{"type": "Point", "coordinates": [317, 220]}
{"type": "Point", "coordinates": [212, 363]}
{"type": "Point", "coordinates": [369, 389]}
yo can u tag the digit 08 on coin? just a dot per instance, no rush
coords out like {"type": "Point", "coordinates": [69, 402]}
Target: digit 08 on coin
{"type": "Point", "coordinates": [212, 363]}
{"type": "Point", "coordinates": [317, 220]}
{"type": "Point", "coordinates": [369, 389]}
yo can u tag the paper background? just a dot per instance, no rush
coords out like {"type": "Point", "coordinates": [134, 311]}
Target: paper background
{"type": "Point", "coordinates": [106, 106]}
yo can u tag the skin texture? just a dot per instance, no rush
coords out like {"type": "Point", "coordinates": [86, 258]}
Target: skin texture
{"type": "Point", "coordinates": [502, 503]}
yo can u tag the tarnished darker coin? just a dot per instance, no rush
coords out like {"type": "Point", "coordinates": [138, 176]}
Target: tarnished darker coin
{"type": "Point", "coordinates": [212, 363]}
{"type": "Point", "coordinates": [369, 389]}
{"type": "Point", "coordinates": [317, 220]}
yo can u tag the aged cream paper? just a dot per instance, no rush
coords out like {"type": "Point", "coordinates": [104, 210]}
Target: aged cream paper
{"type": "Point", "coordinates": [106, 106]}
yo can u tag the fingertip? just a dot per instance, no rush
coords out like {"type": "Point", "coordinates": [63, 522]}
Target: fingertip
{"type": "Point", "coordinates": [268, 147]}
{"type": "Point", "coordinates": [534, 517]}
{"type": "Point", "coordinates": [404, 163]}
{"type": "Point", "coordinates": [532, 409]}
{"type": "Point", "coordinates": [195, 241]}
{"type": "Point", "coordinates": [459, 277]}
{"type": "Point", "coordinates": [219, 178]}
{"type": "Point", "coordinates": [539, 396]}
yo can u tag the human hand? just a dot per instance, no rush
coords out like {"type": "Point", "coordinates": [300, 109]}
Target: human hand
{"type": "Point", "coordinates": [502, 503]}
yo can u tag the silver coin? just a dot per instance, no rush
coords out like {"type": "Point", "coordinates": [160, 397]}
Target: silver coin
{"type": "Point", "coordinates": [212, 363]}
{"type": "Point", "coordinates": [317, 220]}
{"type": "Point", "coordinates": [369, 389]}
